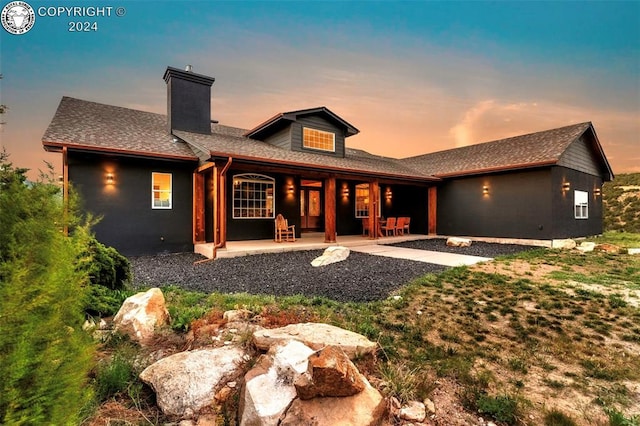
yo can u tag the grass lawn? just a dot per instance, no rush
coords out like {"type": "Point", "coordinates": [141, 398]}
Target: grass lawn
{"type": "Point", "coordinates": [543, 337]}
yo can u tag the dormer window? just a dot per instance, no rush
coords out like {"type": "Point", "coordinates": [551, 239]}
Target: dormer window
{"type": "Point", "coordinates": [318, 139]}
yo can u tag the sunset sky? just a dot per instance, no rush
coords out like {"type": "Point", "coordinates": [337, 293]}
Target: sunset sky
{"type": "Point", "coordinates": [413, 77]}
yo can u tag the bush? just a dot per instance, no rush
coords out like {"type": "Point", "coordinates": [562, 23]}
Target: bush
{"type": "Point", "coordinates": [45, 356]}
{"type": "Point", "coordinates": [104, 265]}
{"type": "Point", "coordinates": [503, 408]}
{"type": "Point", "coordinates": [108, 272]}
{"type": "Point", "coordinates": [114, 376]}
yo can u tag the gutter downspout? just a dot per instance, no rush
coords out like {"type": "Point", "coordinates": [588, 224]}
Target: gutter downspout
{"type": "Point", "coordinates": [222, 208]}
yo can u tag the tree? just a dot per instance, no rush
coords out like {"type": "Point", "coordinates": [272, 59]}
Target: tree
{"type": "Point", "coordinates": [45, 356]}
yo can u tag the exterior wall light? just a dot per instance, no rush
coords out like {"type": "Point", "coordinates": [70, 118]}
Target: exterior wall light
{"type": "Point", "coordinates": [597, 192]}
{"type": "Point", "coordinates": [566, 186]}
{"type": "Point", "coordinates": [345, 190]}
{"type": "Point", "coordinates": [388, 194]}
{"type": "Point", "coordinates": [485, 190]}
{"type": "Point", "coordinates": [109, 178]}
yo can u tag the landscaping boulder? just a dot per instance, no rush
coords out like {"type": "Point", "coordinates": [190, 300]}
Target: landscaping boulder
{"type": "Point", "coordinates": [566, 244]}
{"type": "Point", "coordinates": [187, 382]}
{"type": "Point", "coordinates": [330, 373]}
{"type": "Point", "coordinates": [140, 314]}
{"type": "Point", "coordinates": [607, 248]}
{"type": "Point", "coordinates": [268, 389]}
{"type": "Point", "coordinates": [413, 411]}
{"type": "Point", "coordinates": [316, 336]}
{"type": "Point", "coordinates": [366, 408]}
{"type": "Point", "coordinates": [633, 251]}
{"type": "Point", "coordinates": [332, 254]}
{"type": "Point", "coordinates": [458, 242]}
{"type": "Point", "coordinates": [586, 246]}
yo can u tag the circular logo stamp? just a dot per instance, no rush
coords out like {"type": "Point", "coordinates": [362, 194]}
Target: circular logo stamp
{"type": "Point", "coordinates": [17, 17]}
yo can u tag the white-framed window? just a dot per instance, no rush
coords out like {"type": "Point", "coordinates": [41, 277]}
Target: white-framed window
{"type": "Point", "coordinates": [161, 190]}
{"type": "Point", "coordinates": [318, 139]}
{"type": "Point", "coordinates": [253, 196]}
{"type": "Point", "coordinates": [581, 204]}
{"type": "Point", "coordinates": [362, 200]}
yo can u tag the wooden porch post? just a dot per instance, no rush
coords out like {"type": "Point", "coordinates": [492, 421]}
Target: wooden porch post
{"type": "Point", "coordinates": [198, 208]}
{"type": "Point", "coordinates": [216, 225]}
{"type": "Point", "coordinates": [432, 210]}
{"type": "Point", "coordinates": [374, 225]}
{"type": "Point", "coordinates": [330, 210]}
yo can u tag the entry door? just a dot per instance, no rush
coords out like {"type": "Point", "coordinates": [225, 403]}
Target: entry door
{"type": "Point", "coordinates": [311, 209]}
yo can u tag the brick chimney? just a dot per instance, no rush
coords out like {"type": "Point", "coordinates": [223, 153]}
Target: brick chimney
{"type": "Point", "coordinates": [188, 100]}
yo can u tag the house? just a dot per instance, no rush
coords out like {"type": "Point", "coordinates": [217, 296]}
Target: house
{"type": "Point", "coordinates": [164, 183]}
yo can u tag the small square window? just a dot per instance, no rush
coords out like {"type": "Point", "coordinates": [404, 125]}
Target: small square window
{"type": "Point", "coordinates": [160, 190]}
{"type": "Point", "coordinates": [581, 204]}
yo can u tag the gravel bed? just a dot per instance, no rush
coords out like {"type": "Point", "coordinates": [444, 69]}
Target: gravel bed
{"type": "Point", "coordinates": [360, 278]}
{"type": "Point", "coordinates": [477, 248]}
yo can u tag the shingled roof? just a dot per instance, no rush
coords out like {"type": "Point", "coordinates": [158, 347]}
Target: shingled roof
{"type": "Point", "coordinates": [93, 126]}
{"type": "Point", "coordinates": [531, 150]}
{"type": "Point", "coordinates": [98, 127]}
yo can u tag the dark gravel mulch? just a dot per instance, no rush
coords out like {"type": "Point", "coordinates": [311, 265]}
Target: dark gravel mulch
{"type": "Point", "coordinates": [360, 278]}
{"type": "Point", "coordinates": [477, 248]}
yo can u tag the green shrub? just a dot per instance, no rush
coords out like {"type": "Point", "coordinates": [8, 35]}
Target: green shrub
{"type": "Point", "coordinates": [556, 417]}
{"type": "Point", "coordinates": [104, 265]}
{"type": "Point", "coordinates": [114, 376]}
{"type": "Point", "coordinates": [45, 356]}
{"type": "Point", "coordinates": [616, 418]}
{"type": "Point", "coordinates": [503, 408]}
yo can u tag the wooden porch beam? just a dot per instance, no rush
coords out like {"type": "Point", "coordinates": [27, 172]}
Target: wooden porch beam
{"type": "Point", "coordinates": [330, 210]}
{"type": "Point", "coordinates": [432, 210]}
{"type": "Point", "coordinates": [198, 208]}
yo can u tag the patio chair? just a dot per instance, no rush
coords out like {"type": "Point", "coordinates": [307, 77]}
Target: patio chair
{"type": "Point", "coordinates": [400, 226]}
{"type": "Point", "coordinates": [407, 221]}
{"type": "Point", "coordinates": [365, 226]}
{"type": "Point", "coordinates": [284, 231]}
{"type": "Point", "coordinates": [389, 226]}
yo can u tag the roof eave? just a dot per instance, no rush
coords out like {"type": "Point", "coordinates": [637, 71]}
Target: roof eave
{"type": "Point", "coordinates": [505, 168]}
{"type": "Point", "coordinates": [57, 147]}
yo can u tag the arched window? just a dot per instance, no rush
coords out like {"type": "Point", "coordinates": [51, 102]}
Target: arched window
{"type": "Point", "coordinates": [253, 196]}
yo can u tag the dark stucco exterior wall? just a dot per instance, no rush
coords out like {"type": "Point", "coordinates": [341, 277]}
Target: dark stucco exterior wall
{"type": "Point", "coordinates": [565, 223]}
{"type": "Point", "coordinates": [128, 222]}
{"type": "Point", "coordinates": [517, 205]}
{"type": "Point", "coordinates": [524, 204]}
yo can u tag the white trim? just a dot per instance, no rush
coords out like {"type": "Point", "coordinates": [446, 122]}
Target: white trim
{"type": "Point", "coordinates": [333, 139]}
{"type": "Point", "coordinates": [269, 182]}
{"type": "Point", "coordinates": [160, 191]}
{"type": "Point", "coordinates": [580, 204]}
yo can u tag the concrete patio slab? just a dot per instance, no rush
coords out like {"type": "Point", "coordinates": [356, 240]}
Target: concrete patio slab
{"type": "Point", "coordinates": [436, 257]}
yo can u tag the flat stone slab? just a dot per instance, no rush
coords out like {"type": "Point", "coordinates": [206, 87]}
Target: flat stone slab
{"type": "Point", "coordinates": [316, 336]}
{"type": "Point", "coordinates": [426, 256]}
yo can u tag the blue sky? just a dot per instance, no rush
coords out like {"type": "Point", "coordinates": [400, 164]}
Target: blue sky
{"type": "Point", "coordinates": [414, 77]}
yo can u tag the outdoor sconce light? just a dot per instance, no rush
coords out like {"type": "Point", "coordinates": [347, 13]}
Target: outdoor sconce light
{"type": "Point", "coordinates": [566, 186]}
{"type": "Point", "coordinates": [485, 190]}
{"type": "Point", "coordinates": [388, 194]}
{"type": "Point", "coordinates": [109, 178]}
{"type": "Point", "coordinates": [597, 192]}
{"type": "Point", "coordinates": [290, 188]}
{"type": "Point", "coordinates": [345, 191]}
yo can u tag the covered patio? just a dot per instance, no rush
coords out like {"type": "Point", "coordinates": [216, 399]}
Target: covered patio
{"type": "Point", "coordinates": [308, 241]}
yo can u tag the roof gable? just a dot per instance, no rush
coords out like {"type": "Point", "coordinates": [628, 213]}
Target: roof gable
{"type": "Point", "coordinates": [283, 119]}
{"type": "Point", "coordinates": [531, 150]}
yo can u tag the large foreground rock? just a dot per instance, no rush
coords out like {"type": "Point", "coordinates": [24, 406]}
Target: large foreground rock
{"type": "Point", "coordinates": [366, 408]}
{"type": "Point", "coordinates": [330, 373]}
{"type": "Point", "coordinates": [316, 336]}
{"type": "Point", "coordinates": [140, 314]}
{"type": "Point", "coordinates": [458, 242]}
{"type": "Point", "coordinates": [268, 389]}
{"type": "Point", "coordinates": [331, 254]}
{"type": "Point", "coordinates": [187, 382]}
